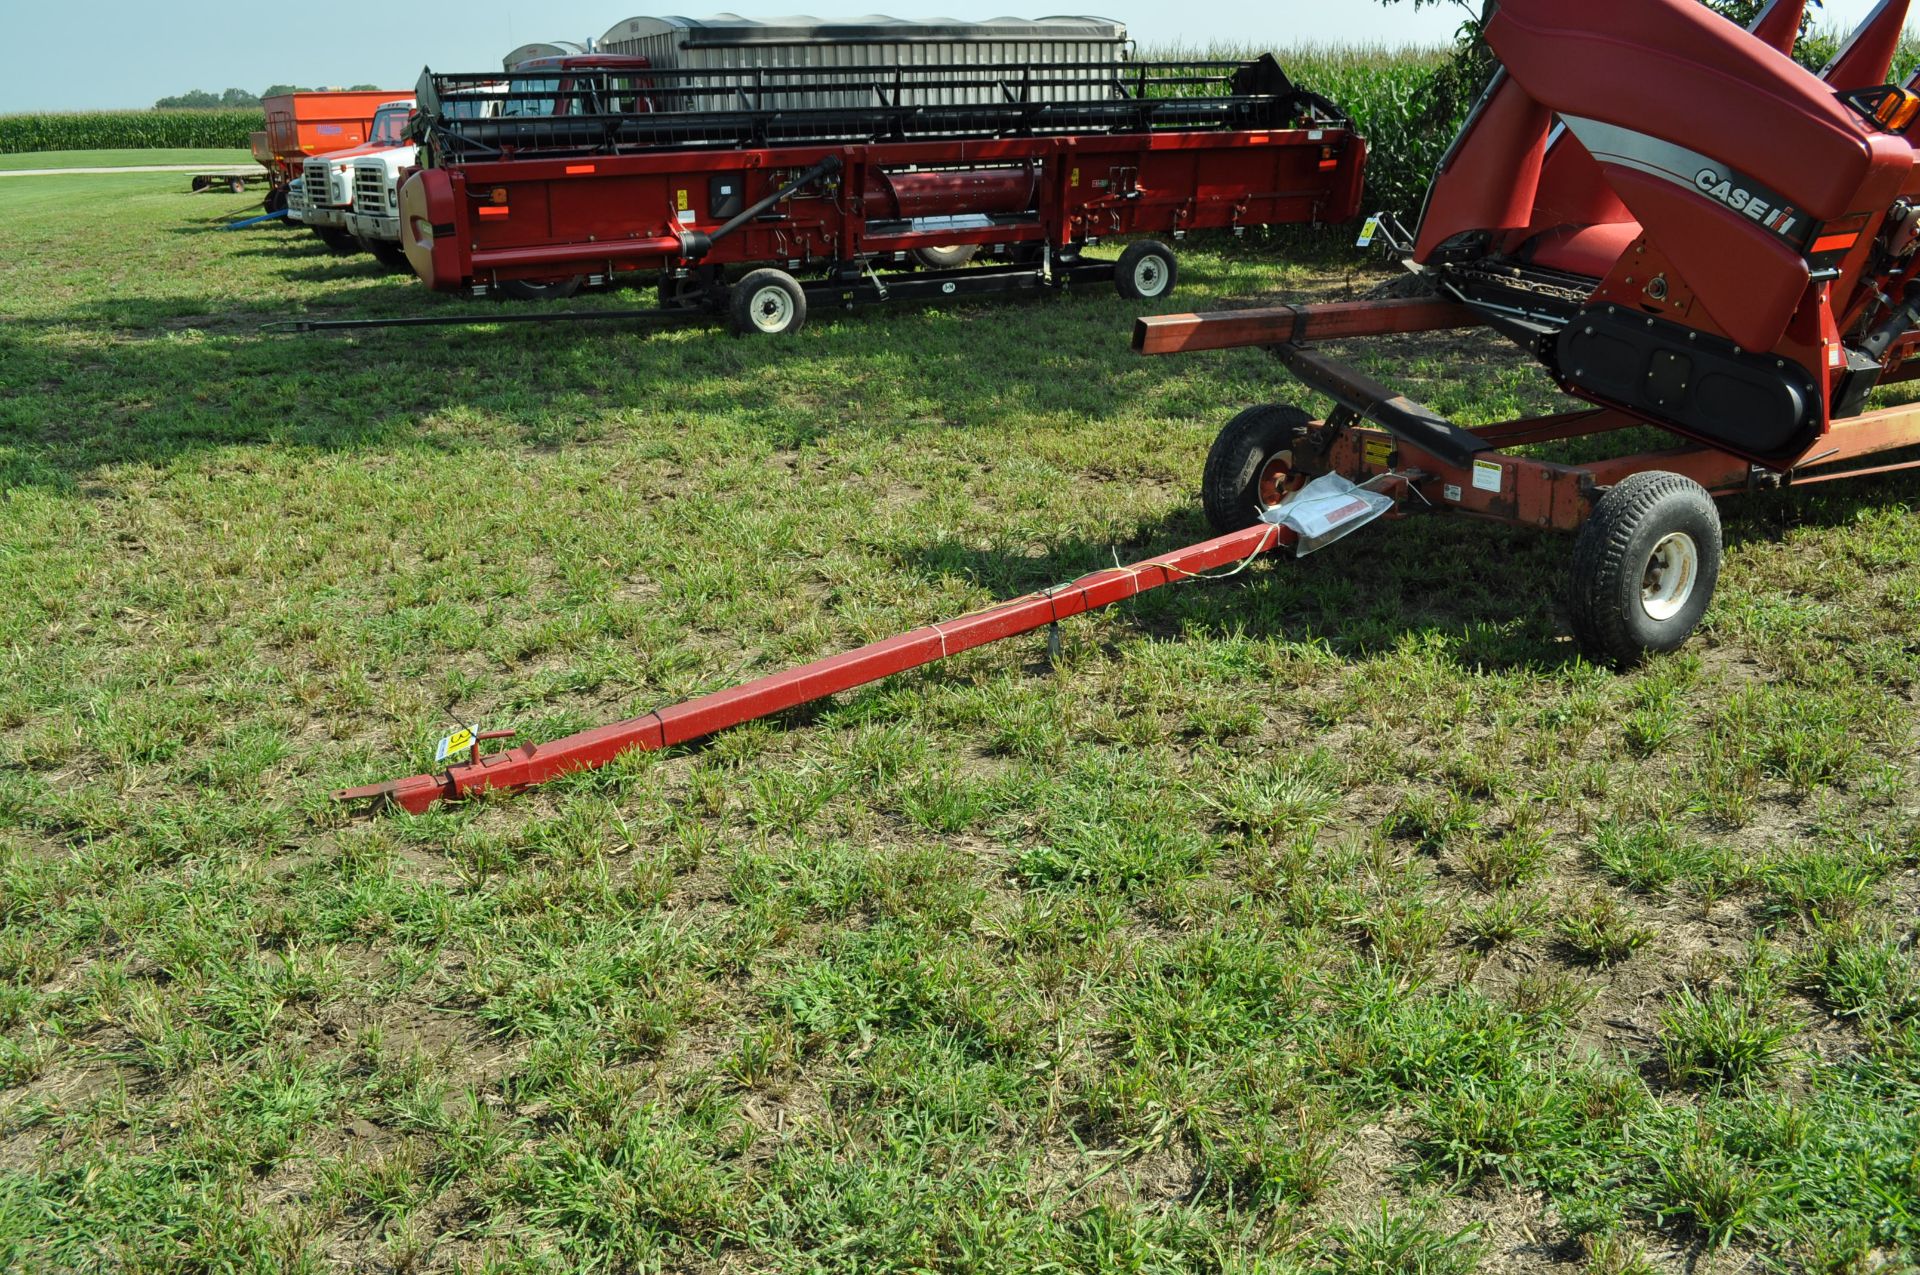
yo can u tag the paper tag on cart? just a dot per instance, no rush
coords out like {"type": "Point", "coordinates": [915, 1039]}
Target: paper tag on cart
{"type": "Point", "coordinates": [1369, 231]}
{"type": "Point", "coordinates": [1326, 509]}
{"type": "Point", "coordinates": [458, 744]}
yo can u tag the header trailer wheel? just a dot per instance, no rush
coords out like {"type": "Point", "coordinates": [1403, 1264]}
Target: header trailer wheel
{"type": "Point", "coordinates": [767, 303]}
{"type": "Point", "coordinates": [1147, 271]}
{"type": "Point", "coordinates": [1644, 568]}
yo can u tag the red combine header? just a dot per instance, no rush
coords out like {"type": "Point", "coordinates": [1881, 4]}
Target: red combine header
{"type": "Point", "coordinates": [763, 189]}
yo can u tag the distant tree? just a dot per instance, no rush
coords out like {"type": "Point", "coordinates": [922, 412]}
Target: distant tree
{"type": "Point", "coordinates": [195, 100]}
{"type": "Point", "coordinates": [275, 90]}
{"type": "Point", "coordinates": [365, 88]}
{"type": "Point", "coordinates": [239, 98]}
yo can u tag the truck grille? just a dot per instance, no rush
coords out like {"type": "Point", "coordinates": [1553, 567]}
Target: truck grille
{"type": "Point", "coordinates": [370, 190]}
{"type": "Point", "coordinates": [317, 183]}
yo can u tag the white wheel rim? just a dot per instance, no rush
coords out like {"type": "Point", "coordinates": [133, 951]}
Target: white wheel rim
{"type": "Point", "coordinates": [1673, 568]}
{"type": "Point", "coordinates": [1149, 276]}
{"type": "Point", "coordinates": [772, 309]}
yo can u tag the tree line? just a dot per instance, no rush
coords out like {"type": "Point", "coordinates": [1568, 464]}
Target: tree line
{"type": "Point", "coordinates": [202, 100]}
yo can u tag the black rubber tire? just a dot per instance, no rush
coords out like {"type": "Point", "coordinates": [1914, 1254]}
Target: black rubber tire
{"type": "Point", "coordinates": [237, 185]}
{"type": "Point", "coordinates": [1147, 271]}
{"type": "Point", "coordinates": [751, 307]}
{"type": "Point", "coordinates": [389, 254]}
{"type": "Point", "coordinates": [1612, 557]}
{"type": "Point", "coordinates": [950, 258]}
{"type": "Point", "coordinates": [276, 199]}
{"type": "Point", "coordinates": [1230, 484]}
{"type": "Point", "coordinates": [539, 290]}
{"type": "Point", "coordinates": [338, 242]}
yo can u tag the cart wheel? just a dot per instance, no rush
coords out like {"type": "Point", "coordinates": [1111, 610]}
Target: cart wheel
{"type": "Point", "coordinates": [540, 289]}
{"type": "Point", "coordinates": [276, 200]}
{"type": "Point", "coordinates": [1250, 466]}
{"type": "Point", "coordinates": [1147, 271]}
{"type": "Point", "coordinates": [1644, 567]}
{"type": "Point", "coordinates": [767, 302]}
{"type": "Point", "coordinates": [951, 258]}
{"type": "Point", "coordinates": [238, 185]}
{"type": "Point", "coordinates": [200, 183]}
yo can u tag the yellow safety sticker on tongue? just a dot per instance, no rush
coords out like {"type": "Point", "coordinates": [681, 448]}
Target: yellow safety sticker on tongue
{"type": "Point", "coordinates": [457, 744]}
{"type": "Point", "coordinates": [1486, 475]}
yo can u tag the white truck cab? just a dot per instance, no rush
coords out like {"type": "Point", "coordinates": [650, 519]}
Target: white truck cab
{"type": "Point", "coordinates": [374, 218]}
{"type": "Point", "coordinates": [329, 181]}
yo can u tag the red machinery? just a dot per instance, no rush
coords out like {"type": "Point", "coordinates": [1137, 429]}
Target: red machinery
{"type": "Point", "coordinates": [301, 125]}
{"type": "Point", "coordinates": [1710, 240]}
{"type": "Point", "coordinates": [816, 180]}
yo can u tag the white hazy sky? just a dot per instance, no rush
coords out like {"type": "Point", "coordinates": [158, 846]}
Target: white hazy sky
{"type": "Point", "coordinates": [92, 54]}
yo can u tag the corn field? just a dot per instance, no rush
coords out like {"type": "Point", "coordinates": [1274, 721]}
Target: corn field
{"type": "Point", "coordinates": [128, 130]}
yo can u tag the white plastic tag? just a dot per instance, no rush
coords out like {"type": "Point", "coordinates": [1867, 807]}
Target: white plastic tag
{"type": "Point", "coordinates": [1325, 510]}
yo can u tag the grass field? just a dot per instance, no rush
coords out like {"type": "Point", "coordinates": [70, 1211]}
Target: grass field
{"type": "Point", "coordinates": [123, 158]}
{"type": "Point", "coordinates": [1336, 918]}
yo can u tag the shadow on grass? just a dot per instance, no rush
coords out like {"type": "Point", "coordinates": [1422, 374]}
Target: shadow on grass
{"type": "Point", "coordinates": [153, 379]}
{"type": "Point", "coordinates": [1469, 592]}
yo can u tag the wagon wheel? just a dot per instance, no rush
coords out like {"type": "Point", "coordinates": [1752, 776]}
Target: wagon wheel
{"type": "Point", "coordinates": [540, 289]}
{"type": "Point", "coordinates": [1644, 568]}
{"type": "Point", "coordinates": [949, 258]}
{"type": "Point", "coordinates": [768, 303]}
{"type": "Point", "coordinates": [1146, 271]}
{"type": "Point", "coordinates": [1250, 466]}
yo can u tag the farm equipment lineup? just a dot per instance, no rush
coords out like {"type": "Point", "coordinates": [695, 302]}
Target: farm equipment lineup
{"type": "Point", "coordinates": [1683, 226]}
{"type": "Point", "coordinates": [814, 182]}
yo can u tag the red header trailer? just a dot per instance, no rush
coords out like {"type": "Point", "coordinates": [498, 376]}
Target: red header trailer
{"type": "Point", "coordinates": [694, 178]}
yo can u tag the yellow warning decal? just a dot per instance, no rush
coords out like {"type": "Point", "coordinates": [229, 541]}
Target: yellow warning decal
{"type": "Point", "coordinates": [459, 743]}
{"type": "Point", "coordinates": [680, 200]}
{"type": "Point", "coordinates": [1076, 177]}
{"type": "Point", "coordinates": [1379, 453]}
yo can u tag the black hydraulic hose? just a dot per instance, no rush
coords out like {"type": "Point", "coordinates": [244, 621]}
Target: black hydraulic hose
{"type": "Point", "coordinates": [1904, 318]}
{"type": "Point", "coordinates": [698, 244]}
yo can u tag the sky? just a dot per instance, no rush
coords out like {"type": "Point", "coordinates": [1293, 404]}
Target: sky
{"type": "Point", "coordinates": [134, 51]}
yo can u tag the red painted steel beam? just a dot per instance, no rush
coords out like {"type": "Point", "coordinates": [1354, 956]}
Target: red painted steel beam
{"type": "Point", "coordinates": [670, 246]}
{"type": "Point", "coordinates": [762, 697]}
{"type": "Point", "coordinates": [1230, 329]}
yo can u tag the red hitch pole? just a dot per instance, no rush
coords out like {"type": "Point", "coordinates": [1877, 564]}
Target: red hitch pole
{"type": "Point", "coordinates": [695, 718]}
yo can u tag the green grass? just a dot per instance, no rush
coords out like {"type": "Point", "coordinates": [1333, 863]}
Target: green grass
{"type": "Point", "coordinates": [1334, 919]}
{"type": "Point", "coordinates": [123, 158]}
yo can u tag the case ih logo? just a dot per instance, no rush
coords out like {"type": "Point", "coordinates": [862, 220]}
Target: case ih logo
{"type": "Point", "coordinates": [1780, 221]}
